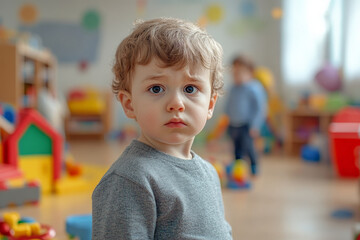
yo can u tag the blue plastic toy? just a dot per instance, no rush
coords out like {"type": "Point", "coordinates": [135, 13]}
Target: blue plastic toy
{"type": "Point", "coordinates": [310, 153]}
{"type": "Point", "coordinates": [79, 226]}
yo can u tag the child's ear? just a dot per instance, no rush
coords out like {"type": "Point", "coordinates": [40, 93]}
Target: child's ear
{"type": "Point", "coordinates": [126, 102]}
{"type": "Point", "coordinates": [212, 105]}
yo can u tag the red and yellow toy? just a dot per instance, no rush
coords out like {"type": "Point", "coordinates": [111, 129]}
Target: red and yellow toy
{"type": "Point", "coordinates": [238, 177]}
{"type": "Point", "coordinates": [13, 228]}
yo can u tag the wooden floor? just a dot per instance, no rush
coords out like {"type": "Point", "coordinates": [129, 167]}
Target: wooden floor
{"type": "Point", "coordinates": [289, 200]}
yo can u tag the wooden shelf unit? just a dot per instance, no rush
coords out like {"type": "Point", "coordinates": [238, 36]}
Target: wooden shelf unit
{"type": "Point", "coordinates": [24, 70]}
{"type": "Point", "coordinates": [300, 124]}
{"type": "Point", "coordinates": [90, 125]}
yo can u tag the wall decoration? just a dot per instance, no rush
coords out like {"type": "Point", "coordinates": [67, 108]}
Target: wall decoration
{"type": "Point", "coordinates": [202, 22]}
{"type": "Point", "coordinates": [28, 14]}
{"type": "Point", "coordinates": [91, 20]}
{"type": "Point", "coordinates": [247, 8]}
{"type": "Point", "coordinates": [276, 13]}
{"type": "Point", "coordinates": [83, 65]}
{"type": "Point", "coordinates": [70, 43]}
{"type": "Point", "coordinates": [214, 13]}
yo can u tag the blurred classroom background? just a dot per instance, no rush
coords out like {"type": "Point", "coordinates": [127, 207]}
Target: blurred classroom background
{"type": "Point", "coordinates": [61, 127]}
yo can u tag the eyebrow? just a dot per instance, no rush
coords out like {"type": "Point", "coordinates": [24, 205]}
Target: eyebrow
{"type": "Point", "coordinates": [154, 77]}
{"type": "Point", "coordinates": [194, 78]}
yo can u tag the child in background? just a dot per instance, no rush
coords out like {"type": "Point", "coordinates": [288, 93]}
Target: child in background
{"type": "Point", "coordinates": [246, 108]}
{"type": "Point", "coordinates": [168, 74]}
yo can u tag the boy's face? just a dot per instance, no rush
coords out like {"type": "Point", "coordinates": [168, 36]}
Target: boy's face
{"type": "Point", "coordinates": [171, 105]}
{"type": "Point", "coordinates": [241, 74]}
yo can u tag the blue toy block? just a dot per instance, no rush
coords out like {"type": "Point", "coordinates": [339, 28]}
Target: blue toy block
{"type": "Point", "coordinates": [310, 153]}
{"type": "Point", "coordinates": [79, 226]}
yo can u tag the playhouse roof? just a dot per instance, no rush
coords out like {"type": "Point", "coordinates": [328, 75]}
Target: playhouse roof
{"type": "Point", "coordinates": [26, 118]}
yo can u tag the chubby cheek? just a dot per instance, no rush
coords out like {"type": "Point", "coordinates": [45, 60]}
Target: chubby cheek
{"type": "Point", "coordinates": [148, 118]}
{"type": "Point", "coordinates": [199, 118]}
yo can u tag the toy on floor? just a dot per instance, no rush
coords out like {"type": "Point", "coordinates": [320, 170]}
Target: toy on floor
{"type": "Point", "coordinates": [28, 192]}
{"type": "Point", "coordinates": [34, 151]}
{"type": "Point", "coordinates": [79, 226]}
{"type": "Point", "coordinates": [12, 227]}
{"type": "Point", "coordinates": [345, 142]}
{"type": "Point", "coordinates": [36, 148]}
{"type": "Point", "coordinates": [238, 177]}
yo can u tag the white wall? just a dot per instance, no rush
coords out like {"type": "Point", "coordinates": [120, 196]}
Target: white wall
{"type": "Point", "coordinates": [262, 42]}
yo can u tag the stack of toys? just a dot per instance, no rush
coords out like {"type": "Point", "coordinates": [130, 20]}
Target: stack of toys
{"type": "Point", "coordinates": [238, 177]}
{"type": "Point", "coordinates": [234, 176]}
{"type": "Point", "coordinates": [12, 227]}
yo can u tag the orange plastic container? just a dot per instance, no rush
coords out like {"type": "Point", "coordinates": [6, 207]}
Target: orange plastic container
{"type": "Point", "coordinates": [344, 141]}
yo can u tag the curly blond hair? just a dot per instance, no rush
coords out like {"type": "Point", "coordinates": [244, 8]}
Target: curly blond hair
{"type": "Point", "coordinates": [174, 42]}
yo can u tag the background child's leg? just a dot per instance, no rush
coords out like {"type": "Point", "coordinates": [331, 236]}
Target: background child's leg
{"type": "Point", "coordinates": [237, 136]}
{"type": "Point", "coordinates": [250, 149]}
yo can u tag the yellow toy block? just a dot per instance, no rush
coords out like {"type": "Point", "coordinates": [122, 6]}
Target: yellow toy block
{"type": "Point", "coordinates": [35, 228]}
{"type": "Point", "coordinates": [69, 184]}
{"type": "Point", "coordinates": [11, 218]}
{"type": "Point", "coordinates": [40, 168]}
{"type": "Point", "coordinates": [22, 230]}
{"type": "Point", "coordinates": [14, 183]}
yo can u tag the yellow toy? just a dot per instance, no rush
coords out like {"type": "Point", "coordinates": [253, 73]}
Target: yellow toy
{"type": "Point", "coordinates": [14, 228]}
{"type": "Point", "coordinates": [86, 101]}
{"type": "Point", "coordinates": [276, 108]}
{"type": "Point", "coordinates": [238, 177]}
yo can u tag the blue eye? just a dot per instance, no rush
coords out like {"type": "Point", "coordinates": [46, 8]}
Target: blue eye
{"type": "Point", "coordinates": [156, 89]}
{"type": "Point", "coordinates": [190, 89]}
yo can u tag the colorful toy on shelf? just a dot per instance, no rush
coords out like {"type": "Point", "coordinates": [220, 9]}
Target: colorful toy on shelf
{"type": "Point", "coordinates": [238, 177]}
{"type": "Point", "coordinates": [36, 148]}
{"type": "Point", "coordinates": [12, 227]}
{"type": "Point", "coordinates": [79, 226]}
{"type": "Point", "coordinates": [8, 112]}
{"type": "Point", "coordinates": [86, 101]}
{"type": "Point", "coordinates": [310, 153]}
{"type": "Point", "coordinates": [329, 78]}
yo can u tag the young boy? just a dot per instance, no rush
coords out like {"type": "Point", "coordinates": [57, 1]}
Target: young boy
{"type": "Point", "coordinates": [168, 74]}
{"type": "Point", "coordinates": [246, 109]}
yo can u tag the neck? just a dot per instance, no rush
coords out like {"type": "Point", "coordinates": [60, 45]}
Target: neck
{"type": "Point", "coordinates": [180, 150]}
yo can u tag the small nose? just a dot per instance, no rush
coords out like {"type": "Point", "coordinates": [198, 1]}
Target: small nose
{"type": "Point", "coordinates": [175, 103]}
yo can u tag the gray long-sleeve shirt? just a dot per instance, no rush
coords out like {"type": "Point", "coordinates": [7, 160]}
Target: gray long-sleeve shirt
{"type": "Point", "coordinates": [147, 194]}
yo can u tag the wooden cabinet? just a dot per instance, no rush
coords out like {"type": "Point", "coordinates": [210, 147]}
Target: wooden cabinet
{"type": "Point", "coordinates": [24, 71]}
{"type": "Point", "coordinates": [301, 124]}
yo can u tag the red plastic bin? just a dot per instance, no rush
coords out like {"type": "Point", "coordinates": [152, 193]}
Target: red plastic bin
{"type": "Point", "coordinates": [344, 132]}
